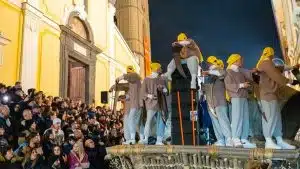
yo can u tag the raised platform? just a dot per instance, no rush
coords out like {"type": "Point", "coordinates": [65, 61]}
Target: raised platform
{"type": "Point", "coordinates": [171, 156]}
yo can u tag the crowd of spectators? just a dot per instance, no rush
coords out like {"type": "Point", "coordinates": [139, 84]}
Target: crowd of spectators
{"type": "Point", "coordinates": [38, 131]}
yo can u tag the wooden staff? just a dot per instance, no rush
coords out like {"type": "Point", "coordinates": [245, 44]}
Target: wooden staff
{"type": "Point", "coordinates": [180, 117]}
{"type": "Point", "coordinates": [193, 121]}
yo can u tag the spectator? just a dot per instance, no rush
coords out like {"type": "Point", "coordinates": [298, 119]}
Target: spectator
{"type": "Point", "coordinates": [5, 122]}
{"type": "Point", "coordinates": [61, 122]}
{"type": "Point", "coordinates": [77, 157]}
{"type": "Point", "coordinates": [33, 160]}
{"type": "Point", "coordinates": [95, 154]}
{"type": "Point", "coordinates": [57, 160]}
{"type": "Point", "coordinates": [53, 136]}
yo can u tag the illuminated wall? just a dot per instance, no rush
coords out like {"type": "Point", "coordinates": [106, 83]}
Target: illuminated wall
{"type": "Point", "coordinates": [33, 54]}
{"type": "Point", "coordinates": [11, 28]}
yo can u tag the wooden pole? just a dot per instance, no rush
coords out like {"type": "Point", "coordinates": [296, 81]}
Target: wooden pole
{"type": "Point", "coordinates": [180, 117]}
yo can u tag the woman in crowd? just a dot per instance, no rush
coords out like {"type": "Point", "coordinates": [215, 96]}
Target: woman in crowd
{"type": "Point", "coordinates": [77, 158]}
{"type": "Point", "coordinates": [57, 160]}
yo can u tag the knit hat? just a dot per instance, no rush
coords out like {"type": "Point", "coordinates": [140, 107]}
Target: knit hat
{"type": "Point", "coordinates": [56, 120]}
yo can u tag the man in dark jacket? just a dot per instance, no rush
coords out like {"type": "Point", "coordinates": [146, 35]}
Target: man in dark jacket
{"type": "Point", "coordinates": [96, 154]}
{"type": "Point", "coordinates": [4, 120]}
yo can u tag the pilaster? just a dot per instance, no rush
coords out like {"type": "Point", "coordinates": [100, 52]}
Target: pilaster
{"type": "Point", "coordinates": [3, 41]}
{"type": "Point", "coordinates": [111, 41]}
{"type": "Point", "coordinates": [30, 45]}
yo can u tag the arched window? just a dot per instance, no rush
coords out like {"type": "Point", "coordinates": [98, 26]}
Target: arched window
{"type": "Point", "coordinates": [78, 27]}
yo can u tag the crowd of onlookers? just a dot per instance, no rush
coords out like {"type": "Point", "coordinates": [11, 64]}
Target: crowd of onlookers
{"type": "Point", "coordinates": [38, 131]}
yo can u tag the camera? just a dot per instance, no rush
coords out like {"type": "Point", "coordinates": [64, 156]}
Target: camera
{"type": "Point", "coordinates": [5, 99]}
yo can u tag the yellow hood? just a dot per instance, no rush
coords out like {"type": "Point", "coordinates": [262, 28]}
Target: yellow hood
{"type": "Point", "coordinates": [232, 59]}
{"type": "Point", "coordinates": [267, 53]}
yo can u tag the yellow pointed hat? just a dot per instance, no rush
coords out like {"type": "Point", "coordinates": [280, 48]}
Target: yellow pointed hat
{"type": "Point", "coordinates": [212, 60]}
{"type": "Point", "coordinates": [266, 54]}
{"type": "Point", "coordinates": [130, 69]}
{"type": "Point", "coordinates": [181, 37]}
{"type": "Point", "coordinates": [220, 63]}
{"type": "Point", "coordinates": [155, 66]}
{"type": "Point", "coordinates": [232, 59]}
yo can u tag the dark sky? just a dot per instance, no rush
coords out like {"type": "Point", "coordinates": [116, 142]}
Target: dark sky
{"type": "Point", "coordinates": [220, 27]}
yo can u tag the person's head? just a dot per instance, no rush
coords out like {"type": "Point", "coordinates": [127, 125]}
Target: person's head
{"type": "Point", "coordinates": [35, 137]}
{"type": "Point", "coordinates": [89, 143]}
{"type": "Point", "coordinates": [34, 154]}
{"type": "Point", "coordinates": [38, 100]}
{"type": "Point", "coordinates": [36, 109]}
{"type": "Point", "coordinates": [52, 115]}
{"type": "Point", "coordinates": [2, 131]}
{"type": "Point", "coordinates": [212, 61]}
{"type": "Point", "coordinates": [75, 125]}
{"type": "Point", "coordinates": [235, 59]}
{"type": "Point", "coordinates": [156, 67]}
{"type": "Point", "coordinates": [130, 69]}
{"type": "Point", "coordinates": [4, 111]}
{"type": "Point", "coordinates": [78, 134]}
{"type": "Point", "coordinates": [56, 123]}
{"type": "Point", "coordinates": [33, 126]}
{"type": "Point", "coordinates": [71, 140]}
{"type": "Point", "coordinates": [182, 37]}
{"type": "Point", "coordinates": [268, 53]}
{"type": "Point", "coordinates": [92, 119]}
{"type": "Point", "coordinates": [78, 147]}
{"type": "Point", "coordinates": [56, 151]}
{"type": "Point", "coordinates": [220, 63]}
{"type": "Point", "coordinates": [18, 85]}
{"type": "Point", "coordinates": [3, 88]}
{"type": "Point", "coordinates": [17, 108]}
{"type": "Point", "coordinates": [9, 154]}
{"type": "Point", "coordinates": [27, 115]}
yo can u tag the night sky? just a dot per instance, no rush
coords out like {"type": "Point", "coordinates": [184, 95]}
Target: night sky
{"type": "Point", "coordinates": [220, 27]}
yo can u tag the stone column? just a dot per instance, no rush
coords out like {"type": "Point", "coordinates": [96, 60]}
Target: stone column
{"type": "Point", "coordinates": [30, 46]}
{"type": "Point", "coordinates": [111, 42]}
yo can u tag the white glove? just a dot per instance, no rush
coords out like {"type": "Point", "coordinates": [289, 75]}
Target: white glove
{"type": "Point", "coordinates": [165, 90]}
{"type": "Point", "coordinates": [244, 85]}
{"type": "Point", "coordinates": [150, 96]}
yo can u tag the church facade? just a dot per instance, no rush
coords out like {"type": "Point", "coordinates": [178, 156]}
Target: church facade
{"type": "Point", "coordinates": [69, 48]}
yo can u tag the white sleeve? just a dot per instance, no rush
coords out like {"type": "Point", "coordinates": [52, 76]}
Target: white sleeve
{"type": "Point", "coordinates": [242, 85]}
{"type": "Point", "coordinates": [214, 72]}
{"type": "Point", "coordinates": [184, 43]}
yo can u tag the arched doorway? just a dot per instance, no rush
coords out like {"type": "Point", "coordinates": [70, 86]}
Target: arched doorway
{"type": "Point", "coordinates": [78, 60]}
